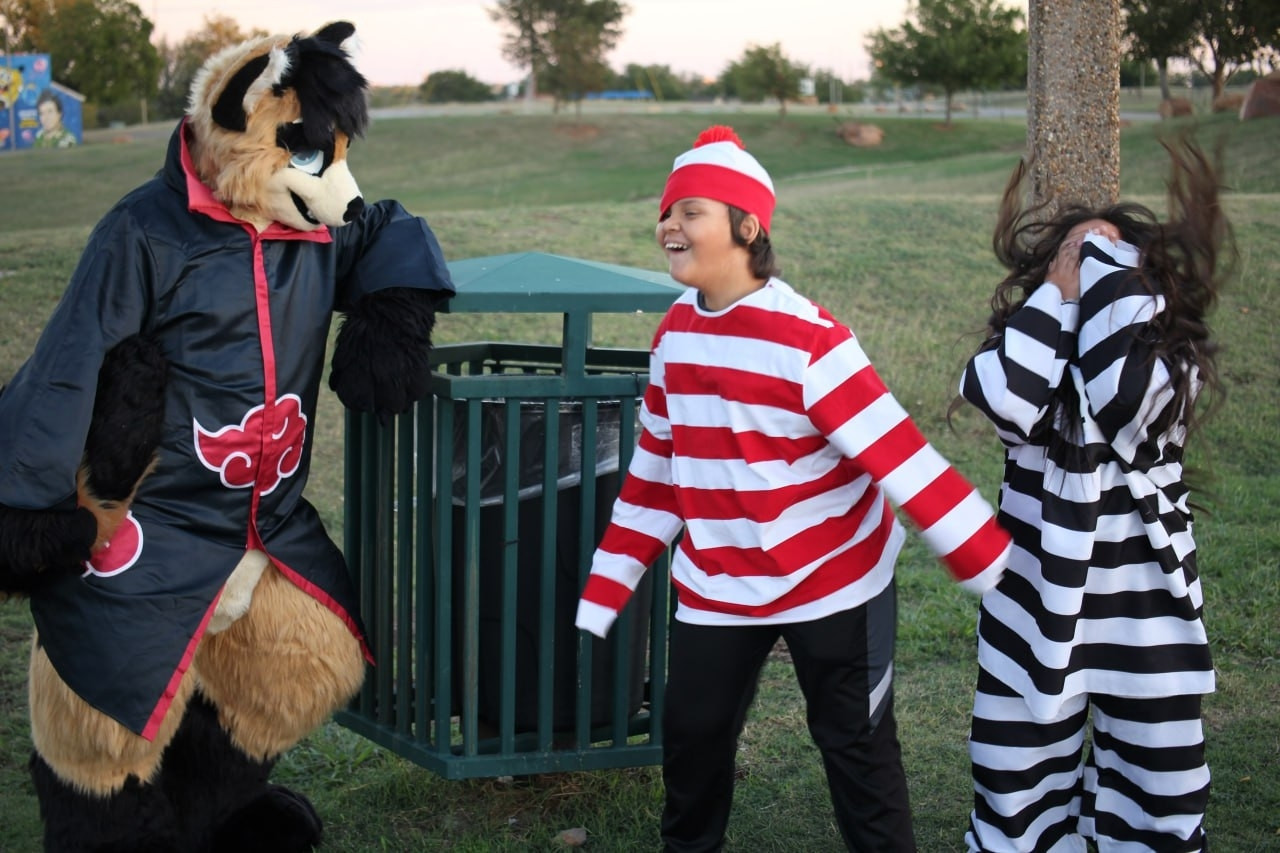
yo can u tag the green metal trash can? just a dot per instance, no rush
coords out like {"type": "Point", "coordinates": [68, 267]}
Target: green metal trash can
{"type": "Point", "coordinates": [531, 610]}
{"type": "Point", "coordinates": [469, 527]}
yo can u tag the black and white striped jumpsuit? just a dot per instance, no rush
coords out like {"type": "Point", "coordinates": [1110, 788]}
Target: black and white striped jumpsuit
{"type": "Point", "coordinates": [1098, 618]}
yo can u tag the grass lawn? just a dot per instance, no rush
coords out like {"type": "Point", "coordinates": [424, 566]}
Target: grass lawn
{"type": "Point", "coordinates": [895, 241]}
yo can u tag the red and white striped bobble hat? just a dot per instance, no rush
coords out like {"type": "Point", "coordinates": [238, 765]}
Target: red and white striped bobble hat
{"type": "Point", "coordinates": [719, 167]}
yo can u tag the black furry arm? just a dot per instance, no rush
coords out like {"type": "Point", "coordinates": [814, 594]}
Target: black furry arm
{"type": "Point", "coordinates": [380, 360]}
{"type": "Point", "coordinates": [41, 545]}
{"type": "Point", "coordinates": [37, 546]}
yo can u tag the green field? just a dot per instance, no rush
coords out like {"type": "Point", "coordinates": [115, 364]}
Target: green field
{"type": "Point", "coordinates": [896, 242]}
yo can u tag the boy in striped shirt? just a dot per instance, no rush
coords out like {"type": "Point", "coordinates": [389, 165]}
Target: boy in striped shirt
{"type": "Point", "coordinates": [771, 442]}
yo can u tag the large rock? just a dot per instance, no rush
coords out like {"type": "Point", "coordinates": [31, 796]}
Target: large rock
{"type": "Point", "coordinates": [861, 135]}
{"type": "Point", "coordinates": [1228, 102]}
{"type": "Point", "coordinates": [1263, 98]}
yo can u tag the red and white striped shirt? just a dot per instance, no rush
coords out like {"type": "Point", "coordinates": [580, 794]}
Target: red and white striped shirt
{"type": "Point", "coordinates": [770, 439]}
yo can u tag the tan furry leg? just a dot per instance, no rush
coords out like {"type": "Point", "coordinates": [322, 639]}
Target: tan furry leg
{"type": "Point", "coordinates": [86, 748]}
{"type": "Point", "coordinates": [281, 669]}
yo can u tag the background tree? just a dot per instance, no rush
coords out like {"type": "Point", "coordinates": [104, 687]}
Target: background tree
{"type": "Point", "coordinates": [1268, 25]}
{"type": "Point", "coordinates": [15, 22]}
{"type": "Point", "coordinates": [658, 80]}
{"type": "Point", "coordinates": [101, 48]}
{"type": "Point", "coordinates": [179, 62]}
{"type": "Point", "coordinates": [454, 86]}
{"type": "Point", "coordinates": [830, 88]}
{"type": "Point", "coordinates": [542, 34]}
{"type": "Point", "coordinates": [1137, 73]}
{"type": "Point", "coordinates": [765, 72]}
{"type": "Point", "coordinates": [954, 45]}
{"type": "Point", "coordinates": [1232, 33]}
{"type": "Point", "coordinates": [575, 48]}
{"type": "Point", "coordinates": [1160, 30]}
{"type": "Point", "coordinates": [522, 44]}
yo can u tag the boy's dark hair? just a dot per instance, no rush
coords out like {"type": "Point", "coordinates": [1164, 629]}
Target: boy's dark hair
{"type": "Point", "coordinates": [764, 264]}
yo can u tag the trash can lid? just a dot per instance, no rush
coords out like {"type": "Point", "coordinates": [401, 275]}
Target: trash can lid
{"type": "Point", "coordinates": [537, 282]}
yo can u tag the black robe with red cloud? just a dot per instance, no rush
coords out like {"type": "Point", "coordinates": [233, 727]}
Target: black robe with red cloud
{"type": "Point", "coordinates": [243, 318]}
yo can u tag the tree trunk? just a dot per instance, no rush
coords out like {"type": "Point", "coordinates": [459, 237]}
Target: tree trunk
{"type": "Point", "coordinates": [1073, 102]}
{"type": "Point", "coordinates": [1162, 65]}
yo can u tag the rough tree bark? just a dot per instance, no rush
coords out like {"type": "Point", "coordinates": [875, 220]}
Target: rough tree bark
{"type": "Point", "coordinates": [1073, 101]}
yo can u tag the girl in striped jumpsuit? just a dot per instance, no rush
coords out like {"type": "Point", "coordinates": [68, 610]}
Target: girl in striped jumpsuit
{"type": "Point", "coordinates": [1098, 351]}
{"type": "Point", "coordinates": [771, 442]}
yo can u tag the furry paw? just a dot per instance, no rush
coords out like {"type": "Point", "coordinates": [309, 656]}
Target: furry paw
{"type": "Point", "coordinates": [38, 546]}
{"type": "Point", "coordinates": [380, 360]}
{"type": "Point", "coordinates": [278, 821]}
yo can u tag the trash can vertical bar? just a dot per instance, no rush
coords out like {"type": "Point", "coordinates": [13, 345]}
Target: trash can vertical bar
{"type": "Point", "coordinates": [442, 692]}
{"type": "Point", "coordinates": [510, 554]}
{"type": "Point", "coordinates": [424, 576]}
{"type": "Point", "coordinates": [574, 342]}
{"type": "Point", "coordinates": [368, 553]}
{"type": "Point", "coordinates": [547, 571]}
{"type": "Point", "coordinates": [621, 650]}
{"type": "Point", "coordinates": [353, 522]}
{"type": "Point", "coordinates": [384, 586]}
{"type": "Point", "coordinates": [622, 676]}
{"type": "Point", "coordinates": [404, 570]}
{"type": "Point", "coordinates": [470, 615]}
{"type": "Point", "coordinates": [658, 619]}
{"type": "Point", "coordinates": [585, 546]}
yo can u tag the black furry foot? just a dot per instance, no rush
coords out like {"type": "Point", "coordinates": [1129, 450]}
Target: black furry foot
{"type": "Point", "coordinates": [135, 819]}
{"type": "Point", "coordinates": [278, 821]}
{"type": "Point", "coordinates": [380, 359]}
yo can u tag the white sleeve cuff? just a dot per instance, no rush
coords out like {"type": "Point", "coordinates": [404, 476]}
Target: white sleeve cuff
{"type": "Point", "coordinates": [595, 618]}
{"type": "Point", "coordinates": [990, 576]}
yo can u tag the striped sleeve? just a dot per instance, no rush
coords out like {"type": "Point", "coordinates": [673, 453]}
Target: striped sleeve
{"type": "Point", "coordinates": [645, 518]}
{"type": "Point", "coordinates": [850, 404]}
{"type": "Point", "coordinates": [1125, 388]}
{"type": "Point", "coordinates": [1013, 381]}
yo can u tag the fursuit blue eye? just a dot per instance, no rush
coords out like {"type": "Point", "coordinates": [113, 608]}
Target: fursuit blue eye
{"type": "Point", "coordinates": [310, 162]}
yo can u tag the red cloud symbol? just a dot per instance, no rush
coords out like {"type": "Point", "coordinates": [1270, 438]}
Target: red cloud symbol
{"type": "Point", "coordinates": [120, 553]}
{"type": "Point", "coordinates": [243, 456]}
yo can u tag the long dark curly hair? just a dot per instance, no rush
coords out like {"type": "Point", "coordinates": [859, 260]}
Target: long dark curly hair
{"type": "Point", "coordinates": [1187, 259]}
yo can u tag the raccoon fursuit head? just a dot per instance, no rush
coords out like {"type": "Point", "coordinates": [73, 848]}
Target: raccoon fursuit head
{"type": "Point", "coordinates": [273, 120]}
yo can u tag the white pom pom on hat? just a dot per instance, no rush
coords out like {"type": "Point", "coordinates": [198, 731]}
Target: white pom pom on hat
{"type": "Point", "coordinates": [719, 167]}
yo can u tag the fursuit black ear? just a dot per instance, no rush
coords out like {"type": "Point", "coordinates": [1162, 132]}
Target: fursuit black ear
{"type": "Point", "coordinates": [228, 110]}
{"type": "Point", "coordinates": [335, 33]}
{"type": "Point", "coordinates": [331, 93]}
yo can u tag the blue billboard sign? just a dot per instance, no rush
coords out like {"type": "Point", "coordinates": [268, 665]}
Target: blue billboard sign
{"type": "Point", "coordinates": [34, 111]}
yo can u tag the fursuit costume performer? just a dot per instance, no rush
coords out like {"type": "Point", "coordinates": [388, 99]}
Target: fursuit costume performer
{"type": "Point", "coordinates": [193, 619]}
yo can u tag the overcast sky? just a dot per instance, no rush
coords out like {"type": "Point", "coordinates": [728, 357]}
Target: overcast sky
{"type": "Point", "coordinates": [402, 41]}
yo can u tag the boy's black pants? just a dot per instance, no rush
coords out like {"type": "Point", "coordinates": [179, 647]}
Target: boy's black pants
{"type": "Point", "coordinates": [844, 664]}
